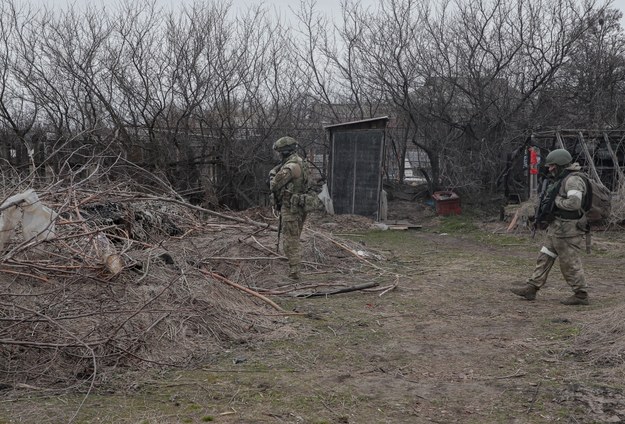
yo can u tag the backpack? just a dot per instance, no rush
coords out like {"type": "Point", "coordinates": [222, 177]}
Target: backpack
{"type": "Point", "coordinates": [597, 202]}
{"type": "Point", "coordinates": [309, 200]}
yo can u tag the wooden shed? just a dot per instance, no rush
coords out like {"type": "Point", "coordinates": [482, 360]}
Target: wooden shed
{"type": "Point", "coordinates": [355, 166]}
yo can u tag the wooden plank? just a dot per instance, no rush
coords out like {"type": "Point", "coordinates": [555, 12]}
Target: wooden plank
{"type": "Point", "coordinates": [617, 166]}
{"type": "Point", "coordinates": [589, 159]}
{"type": "Point", "coordinates": [560, 141]}
{"type": "Point", "coordinates": [398, 227]}
{"type": "Point", "coordinates": [402, 225]}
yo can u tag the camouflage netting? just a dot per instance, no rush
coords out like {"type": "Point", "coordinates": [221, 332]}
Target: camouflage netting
{"type": "Point", "coordinates": [130, 283]}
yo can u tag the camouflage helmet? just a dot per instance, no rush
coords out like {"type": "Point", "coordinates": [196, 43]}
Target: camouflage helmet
{"type": "Point", "coordinates": [285, 143]}
{"type": "Point", "coordinates": [559, 157]}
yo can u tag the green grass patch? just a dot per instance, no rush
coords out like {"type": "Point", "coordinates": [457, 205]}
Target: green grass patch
{"type": "Point", "coordinates": [456, 224]}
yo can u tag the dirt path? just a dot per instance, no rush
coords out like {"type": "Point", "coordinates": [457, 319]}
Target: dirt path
{"type": "Point", "coordinates": [450, 344]}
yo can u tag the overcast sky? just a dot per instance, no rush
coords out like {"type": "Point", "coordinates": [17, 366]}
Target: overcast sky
{"type": "Point", "coordinates": [620, 4]}
{"type": "Point", "coordinates": [329, 7]}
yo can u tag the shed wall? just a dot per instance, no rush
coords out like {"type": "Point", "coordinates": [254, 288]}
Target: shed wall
{"type": "Point", "coordinates": [356, 171]}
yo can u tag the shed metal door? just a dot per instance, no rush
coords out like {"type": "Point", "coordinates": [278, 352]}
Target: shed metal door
{"type": "Point", "coordinates": [357, 172]}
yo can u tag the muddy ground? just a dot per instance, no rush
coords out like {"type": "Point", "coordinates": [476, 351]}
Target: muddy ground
{"type": "Point", "coordinates": [450, 344]}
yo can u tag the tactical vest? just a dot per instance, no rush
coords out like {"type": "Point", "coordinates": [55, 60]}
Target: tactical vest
{"type": "Point", "coordinates": [566, 214]}
{"type": "Point", "coordinates": [295, 186]}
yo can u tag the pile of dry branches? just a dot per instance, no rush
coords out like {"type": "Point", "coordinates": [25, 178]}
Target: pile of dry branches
{"type": "Point", "coordinates": [188, 283]}
{"type": "Point", "coordinates": [602, 341]}
{"type": "Point", "coordinates": [617, 213]}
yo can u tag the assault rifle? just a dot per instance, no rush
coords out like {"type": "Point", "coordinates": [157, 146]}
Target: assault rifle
{"type": "Point", "coordinates": [276, 207]}
{"type": "Point", "coordinates": [544, 214]}
{"type": "Point", "coordinates": [279, 230]}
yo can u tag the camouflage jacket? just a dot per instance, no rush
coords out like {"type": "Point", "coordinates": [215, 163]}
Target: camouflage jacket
{"type": "Point", "coordinates": [287, 179]}
{"type": "Point", "coordinates": [570, 220]}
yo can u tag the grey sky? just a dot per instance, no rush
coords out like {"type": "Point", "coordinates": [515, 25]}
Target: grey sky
{"type": "Point", "coordinates": [330, 7]}
{"type": "Point", "coordinates": [282, 6]}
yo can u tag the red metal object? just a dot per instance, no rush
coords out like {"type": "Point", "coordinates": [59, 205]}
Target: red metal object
{"type": "Point", "coordinates": [447, 203]}
{"type": "Point", "coordinates": [533, 161]}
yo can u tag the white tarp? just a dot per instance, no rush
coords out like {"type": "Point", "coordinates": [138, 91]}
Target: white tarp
{"type": "Point", "coordinates": [325, 198]}
{"type": "Point", "coordinates": [25, 208]}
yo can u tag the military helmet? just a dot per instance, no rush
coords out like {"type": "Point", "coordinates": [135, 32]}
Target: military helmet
{"type": "Point", "coordinates": [559, 157]}
{"type": "Point", "coordinates": [285, 143]}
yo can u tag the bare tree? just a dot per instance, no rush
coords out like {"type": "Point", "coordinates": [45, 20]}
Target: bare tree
{"type": "Point", "coordinates": [18, 108]}
{"type": "Point", "coordinates": [140, 69]}
{"type": "Point", "coordinates": [391, 45]}
{"type": "Point", "coordinates": [75, 43]}
{"type": "Point", "coordinates": [493, 59]}
{"type": "Point", "coordinates": [199, 93]}
{"type": "Point", "coordinates": [590, 85]}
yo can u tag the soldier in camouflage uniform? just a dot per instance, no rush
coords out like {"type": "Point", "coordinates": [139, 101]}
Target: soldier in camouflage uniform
{"type": "Point", "coordinates": [287, 182]}
{"type": "Point", "coordinates": [565, 234]}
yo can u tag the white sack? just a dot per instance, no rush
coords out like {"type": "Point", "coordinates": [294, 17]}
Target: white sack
{"type": "Point", "coordinates": [9, 221]}
{"type": "Point", "coordinates": [37, 219]}
{"type": "Point", "coordinates": [325, 198]}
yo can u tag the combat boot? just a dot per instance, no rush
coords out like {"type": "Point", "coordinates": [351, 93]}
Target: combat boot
{"type": "Point", "coordinates": [294, 274]}
{"type": "Point", "coordinates": [579, 298]}
{"type": "Point", "coordinates": [528, 292]}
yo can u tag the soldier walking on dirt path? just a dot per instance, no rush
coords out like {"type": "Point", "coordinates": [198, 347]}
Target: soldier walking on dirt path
{"type": "Point", "coordinates": [287, 182]}
{"type": "Point", "coordinates": [561, 212]}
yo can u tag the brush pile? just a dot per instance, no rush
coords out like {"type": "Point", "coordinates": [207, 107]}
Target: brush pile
{"type": "Point", "coordinates": [131, 281]}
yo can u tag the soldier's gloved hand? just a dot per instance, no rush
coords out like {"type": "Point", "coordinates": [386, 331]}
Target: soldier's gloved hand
{"type": "Point", "coordinates": [272, 174]}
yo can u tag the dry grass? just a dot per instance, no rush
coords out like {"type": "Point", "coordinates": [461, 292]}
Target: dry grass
{"type": "Point", "coordinates": [602, 341]}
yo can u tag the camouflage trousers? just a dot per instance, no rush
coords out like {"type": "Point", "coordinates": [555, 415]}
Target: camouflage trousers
{"type": "Point", "coordinates": [292, 226]}
{"type": "Point", "coordinates": [567, 250]}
